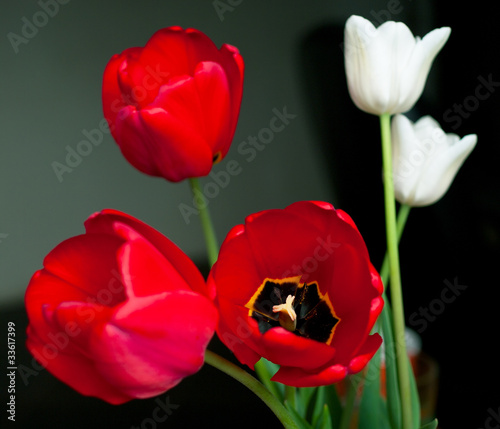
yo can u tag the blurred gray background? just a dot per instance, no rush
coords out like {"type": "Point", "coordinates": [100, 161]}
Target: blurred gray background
{"type": "Point", "coordinates": [50, 93]}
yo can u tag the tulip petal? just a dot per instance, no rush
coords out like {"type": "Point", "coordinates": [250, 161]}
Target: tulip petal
{"type": "Point", "coordinates": [419, 65]}
{"type": "Point", "coordinates": [106, 221]}
{"type": "Point", "coordinates": [145, 270]}
{"type": "Point", "coordinates": [113, 100]}
{"type": "Point", "coordinates": [114, 342]}
{"type": "Point", "coordinates": [289, 349]}
{"type": "Point", "coordinates": [394, 46]}
{"type": "Point", "coordinates": [178, 51]}
{"type": "Point", "coordinates": [76, 371]}
{"type": "Point", "coordinates": [350, 276]}
{"type": "Point", "coordinates": [239, 277]}
{"type": "Point", "coordinates": [426, 159]}
{"type": "Point", "coordinates": [213, 90]}
{"type": "Point", "coordinates": [71, 259]}
{"type": "Point", "coordinates": [172, 105]}
{"type": "Point", "coordinates": [179, 128]}
{"type": "Point", "coordinates": [297, 377]}
{"type": "Point", "coordinates": [366, 352]}
{"type": "Point", "coordinates": [65, 351]}
{"type": "Point", "coordinates": [387, 67]}
{"type": "Point", "coordinates": [441, 170]}
{"type": "Point", "coordinates": [150, 349]}
{"type": "Point", "coordinates": [234, 67]}
{"type": "Point", "coordinates": [134, 141]}
{"type": "Point", "coordinates": [273, 260]}
{"type": "Point", "coordinates": [238, 332]}
{"type": "Point", "coordinates": [276, 244]}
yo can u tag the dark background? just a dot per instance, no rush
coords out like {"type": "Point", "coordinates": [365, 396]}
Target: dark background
{"type": "Point", "coordinates": [332, 152]}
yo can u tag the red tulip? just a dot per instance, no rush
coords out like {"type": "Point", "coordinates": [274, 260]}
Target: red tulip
{"type": "Point", "coordinates": [296, 287]}
{"type": "Point", "coordinates": [119, 312]}
{"type": "Point", "coordinates": [172, 106]}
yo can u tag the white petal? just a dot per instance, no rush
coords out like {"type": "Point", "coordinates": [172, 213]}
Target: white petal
{"type": "Point", "coordinates": [395, 48]}
{"type": "Point", "coordinates": [417, 69]}
{"type": "Point", "coordinates": [358, 36]}
{"type": "Point", "coordinates": [441, 170]}
{"type": "Point", "coordinates": [405, 174]}
{"type": "Point", "coordinates": [387, 67]}
{"type": "Point", "coordinates": [431, 138]}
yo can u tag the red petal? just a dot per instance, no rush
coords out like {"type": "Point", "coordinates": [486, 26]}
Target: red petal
{"type": "Point", "coordinates": [235, 274]}
{"type": "Point", "coordinates": [239, 332]}
{"type": "Point", "coordinates": [76, 371]}
{"type": "Point", "coordinates": [105, 223]}
{"type": "Point", "coordinates": [173, 138]}
{"type": "Point", "coordinates": [136, 144]}
{"type": "Point", "coordinates": [297, 377]}
{"type": "Point", "coordinates": [291, 247]}
{"type": "Point", "coordinates": [71, 259]}
{"type": "Point", "coordinates": [140, 352]}
{"type": "Point", "coordinates": [376, 280]}
{"type": "Point", "coordinates": [113, 100]}
{"type": "Point", "coordinates": [366, 352]}
{"type": "Point", "coordinates": [234, 67]}
{"type": "Point", "coordinates": [44, 294]}
{"type": "Point", "coordinates": [351, 294]}
{"type": "Point", "coordinates": [178, 51]}
{"type": "Point", "coordinates": [287, 349]}
{"type": "Point", "coordinates": [146, 271]}
{"type": "Point", "coordinates": [335, 225]}
{"type": "Point", "coordinates": [61, 343]}
{"type": "Point", "coordinates": [150, 349]}
{"type": "Point", "coordinates": [214, 98]}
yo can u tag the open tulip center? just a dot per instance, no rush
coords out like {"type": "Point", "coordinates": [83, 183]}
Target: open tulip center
{"type": "Point", "coordinates": [287, 316]}
{"type": "Point", "coordinates": [298, 307]}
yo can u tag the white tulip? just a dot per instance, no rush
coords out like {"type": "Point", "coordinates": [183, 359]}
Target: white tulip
{"type": "Point", "coordinates": [387, 67]}
{"type": "Point", "coordinates": [425, 159]}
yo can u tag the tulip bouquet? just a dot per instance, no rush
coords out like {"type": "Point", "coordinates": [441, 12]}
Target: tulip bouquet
{"type": "Point", "coordinates": [120, 312]}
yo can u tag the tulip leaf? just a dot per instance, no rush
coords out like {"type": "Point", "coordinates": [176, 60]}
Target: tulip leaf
{"type": "Point", "coordinates": [415, 400]}
{"type": "Point", "coordinates": [431, 425]}
{"type": "Point", "coordinates": [324, 421]}
{"type": "Point", "coordinates": [373, 408]}
{"type": "Point", "coordinates": [301, 421]}
{"type": "Point", "coordinates": [265, 370]}
{"type": "Point", "coordinates": [319, 405]}
{"type": "Point", "coordinates": [334, 405]}
{"type": "Point", "coordinates": [306, 397]}
{"type": "Point", "coordinates": [391, 381]}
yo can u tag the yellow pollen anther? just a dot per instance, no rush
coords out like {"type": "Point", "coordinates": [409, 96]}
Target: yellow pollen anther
{"type": "Point", "coordinates": [287, 315]}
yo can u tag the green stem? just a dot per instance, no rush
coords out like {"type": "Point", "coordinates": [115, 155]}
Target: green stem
{"type": "Point", "coordinates": [254, 385]}
{"type": "Point", "coordinates": [403, 213]}
{"type": "Point", "coordinates": [206, 221]}
{"type": "Point", "coordinates": [395, 275]}
{"type": "Point", "coordinates": [290, 395]}
{"type": "Point", "coordinates": [264, 375]}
